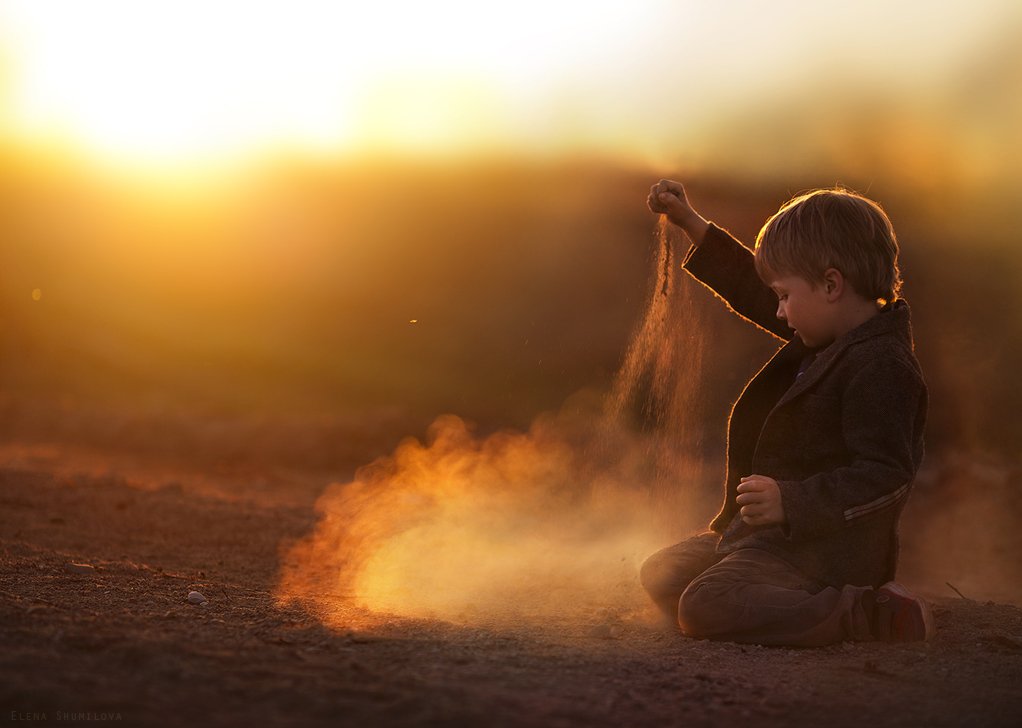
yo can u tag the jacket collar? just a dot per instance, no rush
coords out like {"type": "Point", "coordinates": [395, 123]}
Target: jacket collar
{"type": "Point", "coordinates": [893, 320]}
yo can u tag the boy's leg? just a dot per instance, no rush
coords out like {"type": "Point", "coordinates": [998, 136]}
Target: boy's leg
{"type": "Point", "coordinates": [667, 573]}
{"type": "Point", "coordinates": [753, 596]}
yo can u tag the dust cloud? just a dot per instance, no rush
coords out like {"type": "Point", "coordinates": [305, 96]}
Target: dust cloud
{"type": "Point", "coordinates": [540, 526]}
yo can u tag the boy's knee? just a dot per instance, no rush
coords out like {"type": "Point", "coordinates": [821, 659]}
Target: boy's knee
{"type": "Point", "coordinates": [703, 610]}
{"type": "Point", "coordinates": [691, 609]}
{"type": "Point", "coordinates": [650, 573]}
{"type": "Point", "coordinates": [661, 583]}
{"type": "Point", "coordinates": [657, 575]}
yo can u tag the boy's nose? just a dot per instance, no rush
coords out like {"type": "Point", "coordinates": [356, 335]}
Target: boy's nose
{"type": "Point", "coordinates": [780, 313]}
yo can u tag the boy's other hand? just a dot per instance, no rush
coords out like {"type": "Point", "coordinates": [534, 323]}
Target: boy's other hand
{"type": "Point", "coordinates": [760, 501]}
{"type": "Point", "coordinates": [668, 197]}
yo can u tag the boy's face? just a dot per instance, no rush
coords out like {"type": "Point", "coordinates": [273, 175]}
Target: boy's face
{"type": "Point", "coordinates": [804, 307]}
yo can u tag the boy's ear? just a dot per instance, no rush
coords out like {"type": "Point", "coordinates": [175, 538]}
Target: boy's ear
{"type": "Point", "coordinates": [833, 284]}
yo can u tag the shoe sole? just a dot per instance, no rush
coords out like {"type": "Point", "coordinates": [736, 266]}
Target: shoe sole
{"type": "Point", "coordinates": [893, 587]}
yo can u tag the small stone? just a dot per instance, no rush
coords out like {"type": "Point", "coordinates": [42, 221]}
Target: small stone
{"type": "Point", "coordinates": [75, 568]}
{"type": "Point", "coordinates": [606, 631]}
{"type": "Point", "coordinates": [195, 597]}
{"type": "Point", "coordinates": [1003, 640]}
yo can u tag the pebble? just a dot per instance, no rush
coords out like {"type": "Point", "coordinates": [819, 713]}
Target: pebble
{"type": "Point", "coordinates": [606, 631]}
{"type": "Point", "coordinates": [81, 568]}
{"type": "Point", "coordinates": [196, 598]}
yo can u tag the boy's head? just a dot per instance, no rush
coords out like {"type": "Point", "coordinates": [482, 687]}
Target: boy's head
{"type": "Point", "coordinates": [833, 228]}
{"type": "Point", "coordinates": [830, 239]}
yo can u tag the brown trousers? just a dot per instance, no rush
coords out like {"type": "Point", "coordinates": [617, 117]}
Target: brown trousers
{"type": "Point", "coordinates": [750, 596]}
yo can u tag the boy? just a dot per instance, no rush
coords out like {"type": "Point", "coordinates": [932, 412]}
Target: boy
{"type": "Point", "coordinates": [823, 443]}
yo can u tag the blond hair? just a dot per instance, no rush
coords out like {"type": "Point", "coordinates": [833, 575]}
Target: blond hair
{"type": "Point", "coordinates": [832, 228]}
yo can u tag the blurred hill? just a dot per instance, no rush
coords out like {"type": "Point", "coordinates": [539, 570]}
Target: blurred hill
{"type": "Point", "coordinates": [314, 314]}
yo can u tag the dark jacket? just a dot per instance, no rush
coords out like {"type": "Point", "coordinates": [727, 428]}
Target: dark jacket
{"type": "Point", "coordinates": [843, 441]}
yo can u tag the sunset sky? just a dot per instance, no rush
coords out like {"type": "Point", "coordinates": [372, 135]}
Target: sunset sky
{"type": "Point", "coordinates": [180, 83]}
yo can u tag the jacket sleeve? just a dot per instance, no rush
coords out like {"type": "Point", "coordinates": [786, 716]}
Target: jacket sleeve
{"type": "Point", "coordinates": [882, 418]}
{"type": "Point", "coordinates": [726, 267]}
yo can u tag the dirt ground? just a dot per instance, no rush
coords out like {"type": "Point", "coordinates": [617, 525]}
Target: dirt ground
{"type": "Point", "coordinates": [115, 639]}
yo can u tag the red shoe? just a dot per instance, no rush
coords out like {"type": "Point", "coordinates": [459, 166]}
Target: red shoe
{"type": "Point", "coordinates": [900, 616]}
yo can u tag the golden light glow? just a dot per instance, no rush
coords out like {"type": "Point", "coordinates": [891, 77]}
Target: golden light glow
{"type": "Point", "coordinates": [162, 82]}
{"type": "Point", "coordinates": [192, 84]}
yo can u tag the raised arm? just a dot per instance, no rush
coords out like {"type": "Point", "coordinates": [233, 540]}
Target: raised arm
{"type": "Point", "coordinates": [726, 267]}
{"type": "Point", "coordinates": [719, 261]}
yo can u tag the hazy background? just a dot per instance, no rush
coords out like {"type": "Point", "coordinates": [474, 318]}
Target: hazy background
{"type": "Point", "coordinates": [294, 233]}
{"type": "Point", "coordinates": [237, 212]}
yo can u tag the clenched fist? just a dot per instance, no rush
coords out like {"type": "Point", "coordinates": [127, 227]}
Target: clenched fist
{"type": "Point", "coordinates": [760, 500]}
